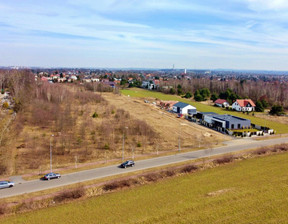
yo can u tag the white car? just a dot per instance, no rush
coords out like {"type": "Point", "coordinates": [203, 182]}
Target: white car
{"type": "Point", "coordinates": [6, 184]}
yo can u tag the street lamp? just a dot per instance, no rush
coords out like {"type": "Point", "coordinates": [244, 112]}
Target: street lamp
{"type": "Point", "coordinates": [123, 144]}
{"type": "Point", "coordinates": [51, 154]}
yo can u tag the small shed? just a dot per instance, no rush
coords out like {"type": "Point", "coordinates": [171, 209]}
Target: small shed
{"type": "Point", "coordinates": [184, 108]}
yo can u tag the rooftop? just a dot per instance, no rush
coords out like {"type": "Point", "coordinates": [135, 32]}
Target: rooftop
{"type": "Point", "coordinates": [227, 117]}
{"type": "Point", "coordinates": [182, 105]}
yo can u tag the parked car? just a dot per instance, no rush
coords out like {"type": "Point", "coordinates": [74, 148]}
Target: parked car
{"type": "Point", "coordinates": [127, 164]}
{"type": "Point", "coordinates": [50, 176]}
{"type": "Point", "coordinates": [6, 184]}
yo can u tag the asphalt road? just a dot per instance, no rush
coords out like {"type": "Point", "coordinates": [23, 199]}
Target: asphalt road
{"type": "Point", "coordinates": [67, 179]}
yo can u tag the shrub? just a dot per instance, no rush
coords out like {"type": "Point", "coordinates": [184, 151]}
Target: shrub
{"type": "Point", "coordinates": [120, 184]}
{"type": "Point", "coordinates": [5, 105]}
{"type": "Point", "coordinates": [152, 177]}
{"type": "Point", "coordinates": [2, 169]}
{"type": "Point", "coordinates": [188, 169]}
{"type": "Point", "coordinates": [283, 147]}
{"type": "Point", "coordinates": [188, 95]}
{"type": "Point", "coordinates": [26, 205]}
{"type": "Point", "coordinates": [261, 151]}
{"type": "Point", "coordinates": [124, 183]}
{"type": "Point", "coordinates": [95, 115]}
{"type": "Point", "coordinates": [224, 159]}
{"type": "Point", "coordinates": [111, 186]}
{"type": "Point", "coordinates": [70, 194]}
{"type": "Point", "coordinates": [275, 149]}
{"type": "Point", "coordinates": [3, 209]}
{"type": "Point", "coordinates": [139, 144]}
{"type": "Point", "coordinates": [106, 146]}
{"type": "Point", "coordinates": [277, 110]}
{"type": "Point", "coordinates": [128, 182]}
{"type": "Point", "coordinates": [168, 173]}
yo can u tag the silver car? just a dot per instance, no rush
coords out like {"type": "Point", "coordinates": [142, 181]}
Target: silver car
{"type": "Point", "coordinates": [50, 176]}
{"type": "Point", "coordinates": [6, 184]}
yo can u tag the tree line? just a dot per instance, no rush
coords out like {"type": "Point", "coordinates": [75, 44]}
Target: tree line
{"type": "Point", "coordinates": [266, 93]}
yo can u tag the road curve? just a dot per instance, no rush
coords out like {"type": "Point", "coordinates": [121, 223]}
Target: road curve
{"type": "Point", "coordinates": [82, 176]}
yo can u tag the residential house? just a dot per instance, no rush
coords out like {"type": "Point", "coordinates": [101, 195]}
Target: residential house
{"type": "Point", "coordinates": [184, 108]}
{"type": "Point", "coordinates": [108, 83]}
{"type": "Point", "coordinates": [221, 103]}
{"type": "Point", "coordinates": [243, 105]}
{"type": "Point", "coordinates": [148, 85]}
{"type": "Point", "coordinates": [73, 77]}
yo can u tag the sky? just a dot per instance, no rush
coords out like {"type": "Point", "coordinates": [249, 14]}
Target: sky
{"type": "Point", "coordinates": [192, 34]}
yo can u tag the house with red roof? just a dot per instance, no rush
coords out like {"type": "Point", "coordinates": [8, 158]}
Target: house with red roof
{"type": "Point", "coordinates": [221, 103]}
{"type": "Point", "coordinates": [243, 105]}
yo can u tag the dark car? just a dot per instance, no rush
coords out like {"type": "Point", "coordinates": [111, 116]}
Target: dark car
{"type": "Point", "coordinates": [6, 184]}
{"type": "Point", "coordinates": [50, 176]}
{"type": "Point", "coordinates": [127, 164]}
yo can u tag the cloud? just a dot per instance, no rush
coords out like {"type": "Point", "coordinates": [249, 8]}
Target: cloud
{"type": "Point", "coordinates": [268, 5]}
{"type": "Point", "coordinates": [169, 29]}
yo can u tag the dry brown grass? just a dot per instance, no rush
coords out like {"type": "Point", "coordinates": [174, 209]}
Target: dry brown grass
{"type": "Point", "coordinates": [67, 114]}
{"type": "Point", "coordinates": [69, 194]}
{"type": "Point", "coordinates": [77, 136]}
{"type": "Point", "coordinates": [279, 119]}
{"type": "Point", "coordinates": [166, 124]}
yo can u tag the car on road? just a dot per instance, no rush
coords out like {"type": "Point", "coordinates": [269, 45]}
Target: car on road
{"type": "Point", "coordinates": [6, 184]}
{"type": "Point", "coordinates": [50, 176]}
{"type": "Point", "coordinates": [127, 164]}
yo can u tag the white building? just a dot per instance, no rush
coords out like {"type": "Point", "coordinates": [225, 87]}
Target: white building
{"type": "Point", "coordinates": [243, 105]}
{"type": "Point", "coordinates": [184, 108]}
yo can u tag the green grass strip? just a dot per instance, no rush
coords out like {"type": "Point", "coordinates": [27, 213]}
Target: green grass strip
{"type": "Point", "coordinates": [141, 93]}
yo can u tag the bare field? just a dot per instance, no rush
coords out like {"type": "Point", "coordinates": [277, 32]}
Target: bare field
{"type": "Point", "coordinates": [166, 124]}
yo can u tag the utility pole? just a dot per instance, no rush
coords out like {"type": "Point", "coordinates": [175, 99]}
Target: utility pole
{"type": "Point", "coordinates": [123, 144]}
{"type": "Point", "coordinates": [51, 154]}
{"type": "Point", "coordinates": [180, 133]}
{"type": "Point", "coordinates": [76, 162]}
{"type": "Point", "coordinates": [133, 156]}
{"type": "Point", "coordinates": [179, 147]}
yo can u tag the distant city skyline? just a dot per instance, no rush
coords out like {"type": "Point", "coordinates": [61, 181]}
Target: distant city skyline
{"type": "Point", "coordinates": [207, 34]}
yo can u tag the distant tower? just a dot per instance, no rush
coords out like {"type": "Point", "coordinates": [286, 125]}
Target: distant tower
{"type": "Point", "coordinates": [185, 71]}
{"type": "Point", "coordinates": [173, 67]}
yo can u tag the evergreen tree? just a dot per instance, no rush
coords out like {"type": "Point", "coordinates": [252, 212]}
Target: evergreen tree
{"type": "Point", "coordinates": [277, 110]}
{"type": "Point", "coordinates": [214, 97]}
{"type": "Point", "coordinates": [259, 106]}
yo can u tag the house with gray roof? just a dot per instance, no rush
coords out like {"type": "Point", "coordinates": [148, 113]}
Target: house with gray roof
{"type": "Point", "coordinates": [184, 108]}
{"type": "Point", "coordinates": [227, 121]}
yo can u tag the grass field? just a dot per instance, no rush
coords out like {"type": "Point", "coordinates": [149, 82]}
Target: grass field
{"type": "Point", "coordinates": [250, 191]}
{"type": "Point", "coordinates": [279, 127]}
